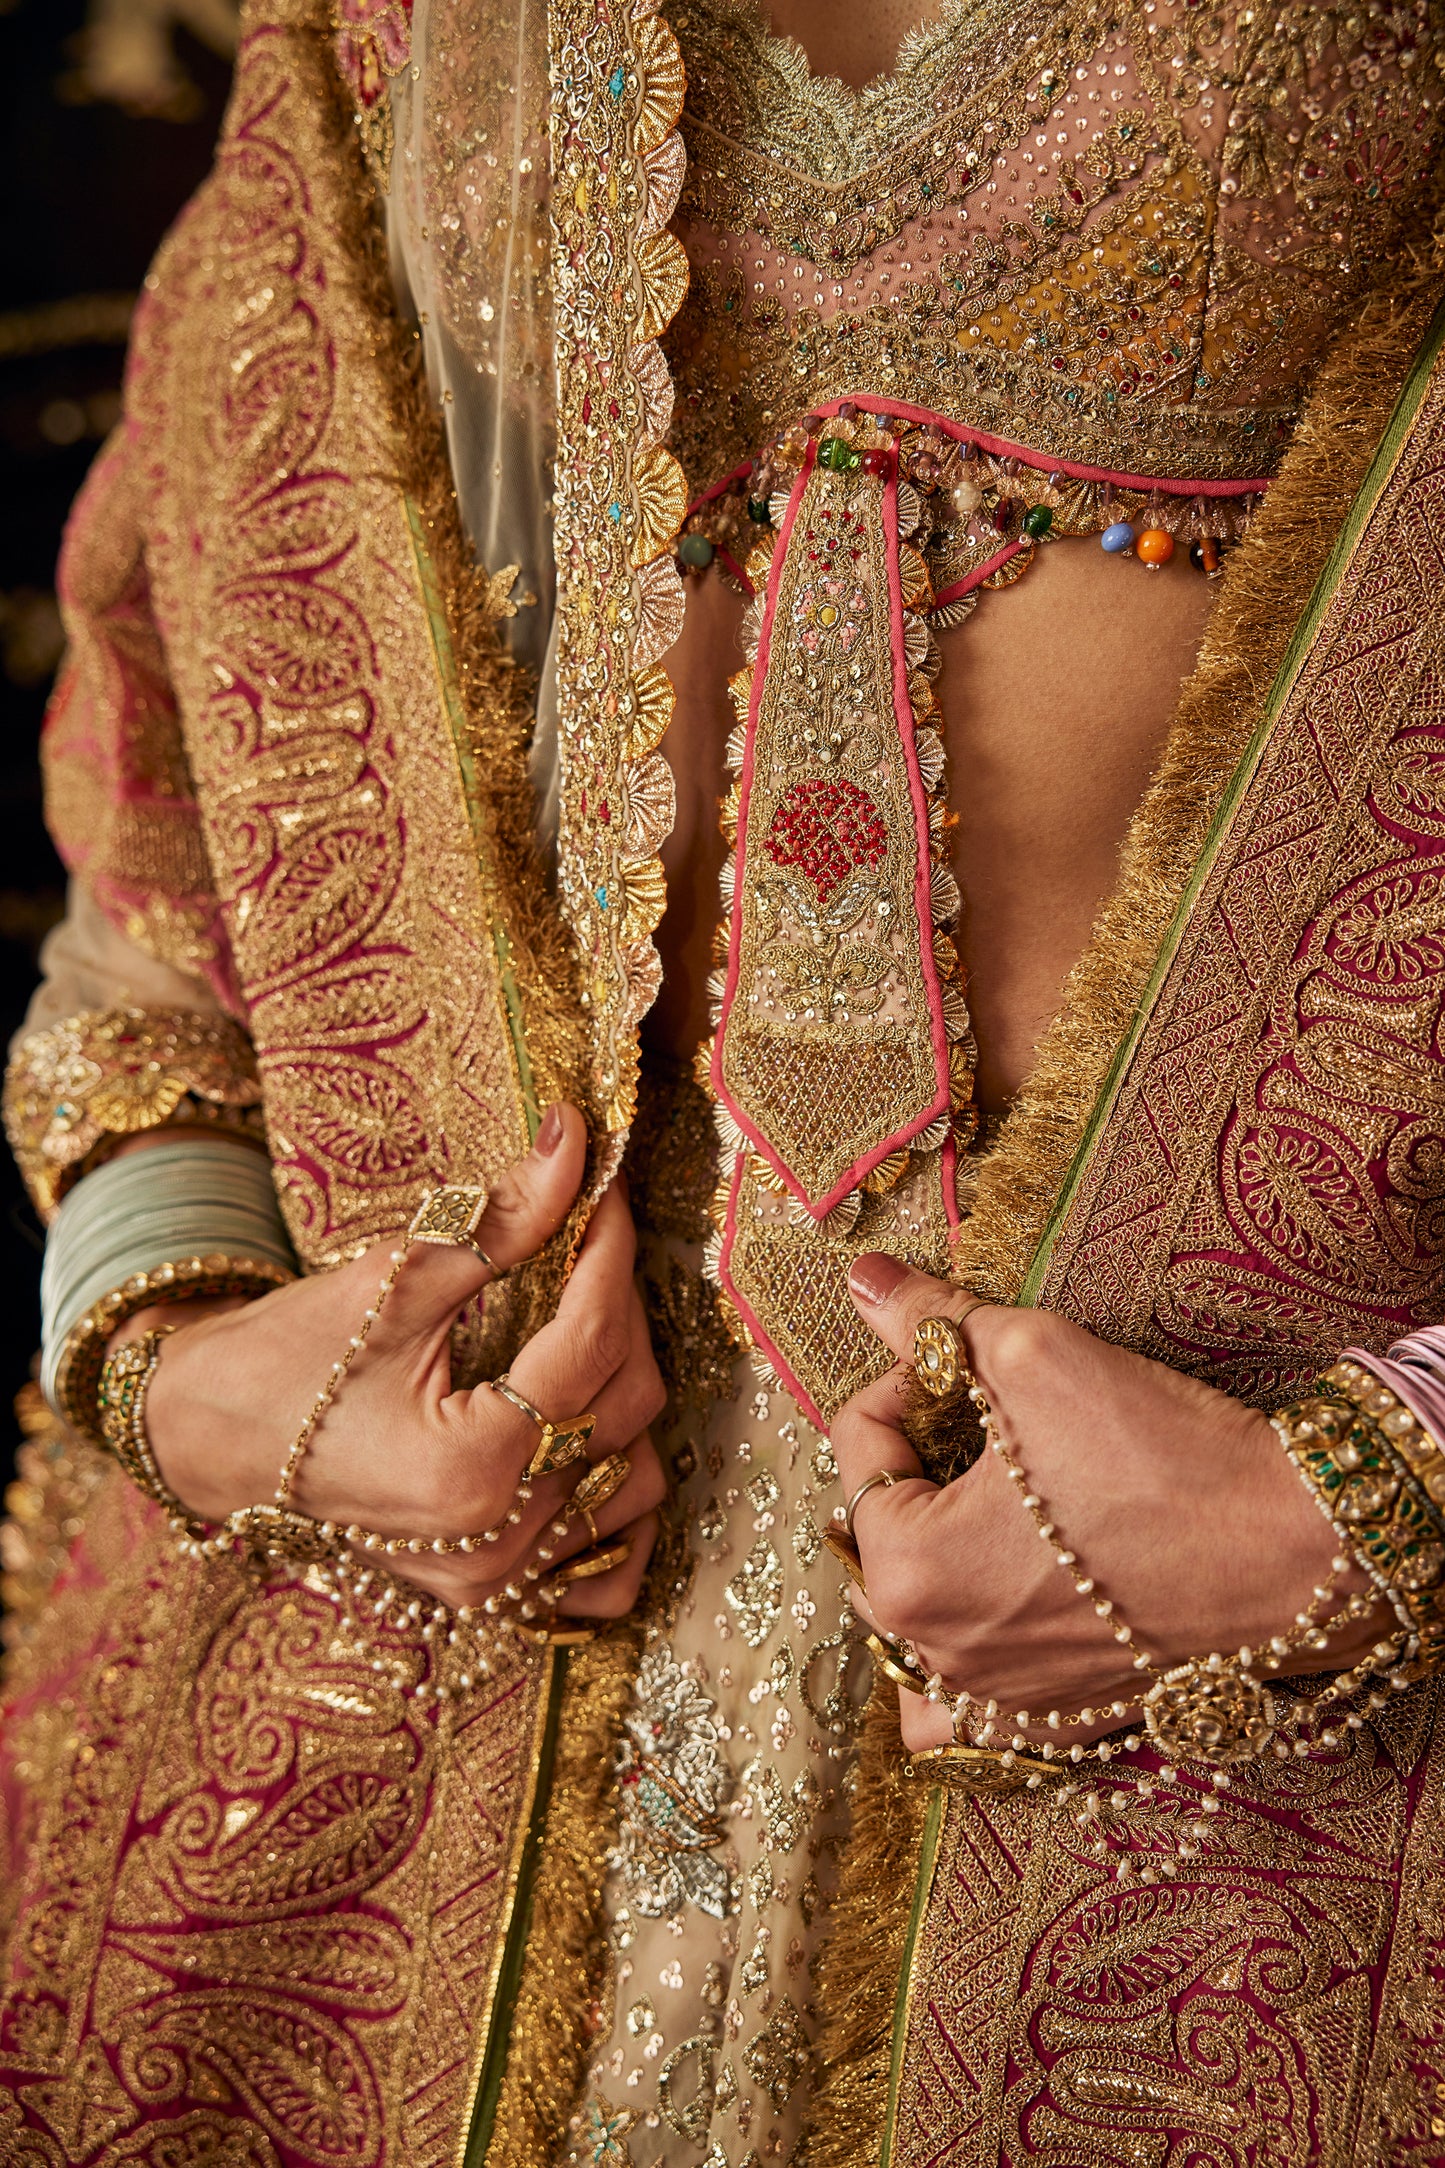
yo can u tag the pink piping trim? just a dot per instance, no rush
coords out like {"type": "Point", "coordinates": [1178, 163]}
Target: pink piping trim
{"type": "Point", "coordinates": [708, 497]}
{"type": "Point", "coordinates": [1001, 448]}
{"type": "Point", "coordinates": [922, 883]}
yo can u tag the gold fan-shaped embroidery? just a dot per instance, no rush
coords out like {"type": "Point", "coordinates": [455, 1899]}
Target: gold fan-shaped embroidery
{"type": "Point", "coordinates": [887, 1174]}
{"type": "Point", "coordinates": [649, 803]}
{"type": "Point", "coordinates": [663, 85]}
{"type": "Point", "coordinates": [913, 578]}
{"type": "Point", "coordinates": [646, 897]}
{"type": "Point", "coordinates": [665, 168]}
{"type": "Point", "coordinates": [661, 494]}
{"type": "Point", "coordinates": [740, 692]}
{"type": "Point", "coordinates": [760, 560]}
{"type": "Point", "coordinates": [662, 267]}
{"type": "Point", "coordinates": [662, 607]}
{"type": "Point", "coordinates": [653, 703]}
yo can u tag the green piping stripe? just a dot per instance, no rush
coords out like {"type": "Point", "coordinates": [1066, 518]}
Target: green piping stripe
{"type": "Point", "coordinates": [1382, 466]}
{"type": "Point", "coordinates": [509, 1972]}
{"type": "Point", "coordinates": [441, 640]}
{"type": "Point", "coordinates": [512, 997]}
{"type": "Point", "coordinates": [922, 1890]}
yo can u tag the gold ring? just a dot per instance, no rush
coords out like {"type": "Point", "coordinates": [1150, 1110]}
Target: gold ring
{"type": "Point", "coordinates": [845, 1550]}
{"type": "Point", "coordinates": [887, 1477]}
{"type": "Point", "coordinates": [592, 1563]}
{"type": "Point", "coordinates": [560, 1443]}
{"type": "Point", "coordinates": [602, 1481]}
{"type": "Point", "coordinates": [451, 1217]}
{"type": "Point", "coordinates": [939, 1356]}
{"type": "Point", "coordinates": [891, 1659]}
{"type": "Point", "coordinates": [592, 1535]}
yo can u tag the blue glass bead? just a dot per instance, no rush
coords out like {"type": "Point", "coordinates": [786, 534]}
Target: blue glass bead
{"type": "Point", "coordinates": [1118, 537]}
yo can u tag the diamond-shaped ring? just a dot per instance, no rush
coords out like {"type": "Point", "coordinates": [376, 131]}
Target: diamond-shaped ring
{"type": "Point", "coordinates": [560, 1443]}
{"type": "Point", "coordinates": [451, 1217]}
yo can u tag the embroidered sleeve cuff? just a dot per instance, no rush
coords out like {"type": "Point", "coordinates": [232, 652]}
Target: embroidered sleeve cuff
{"type": "Point", "coordinates": [72, 1091]}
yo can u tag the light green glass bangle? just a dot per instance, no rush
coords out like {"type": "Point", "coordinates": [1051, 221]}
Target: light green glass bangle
{"type": "Point", "coordinates": [190, 1216]}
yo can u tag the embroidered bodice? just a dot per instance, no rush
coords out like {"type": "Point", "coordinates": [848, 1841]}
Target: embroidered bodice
{"type": "Point", "coordinates": [1121, 235]}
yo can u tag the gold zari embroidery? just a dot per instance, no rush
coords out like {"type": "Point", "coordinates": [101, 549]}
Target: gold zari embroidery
{"type": "Point", "coordinates": [1120, 237]}
{"type": "Point", "coordinates": [107, 1074]}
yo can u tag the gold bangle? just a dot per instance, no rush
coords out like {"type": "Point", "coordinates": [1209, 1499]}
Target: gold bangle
{"type": "Point", "coordinates": [125, 1380]}
{"type": "Point", "coordinates": [186, 1279]}
{"type": "Point", "coordinates": [986, 1770]}
{"type": "Point", "coordinates": [555, 1637]}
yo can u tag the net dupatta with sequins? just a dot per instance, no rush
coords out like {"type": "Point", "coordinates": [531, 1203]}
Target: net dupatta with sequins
{"type": "Point", "coordinates": [532, 233]}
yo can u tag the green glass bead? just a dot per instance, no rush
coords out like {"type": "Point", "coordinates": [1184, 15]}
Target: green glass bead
{"type": "Point", "coordinates": [759, 512]}
{"type": "Point", "coordinates": [696, 550]}
{"type": "Point", "coordinates": [838, 453]}
{"type": "Point", "coordinates": [1037, 521]}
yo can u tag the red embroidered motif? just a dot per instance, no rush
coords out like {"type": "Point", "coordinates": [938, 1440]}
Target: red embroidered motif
{"type": "Point", "coordinates": [373, 41]}
{"type": "Point", "coordinates": [828, 829]}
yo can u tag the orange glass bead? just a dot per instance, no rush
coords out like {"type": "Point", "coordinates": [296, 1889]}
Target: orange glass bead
{"type": "Point", "coordinates": [1154, 547]}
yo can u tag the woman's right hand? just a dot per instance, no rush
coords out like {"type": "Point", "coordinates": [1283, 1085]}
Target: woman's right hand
{"type": "Point", "coordinates": [399, 1451]}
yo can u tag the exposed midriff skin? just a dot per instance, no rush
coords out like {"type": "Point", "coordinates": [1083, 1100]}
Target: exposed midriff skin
{"type": "Point", "coordinates": [1057, 695]}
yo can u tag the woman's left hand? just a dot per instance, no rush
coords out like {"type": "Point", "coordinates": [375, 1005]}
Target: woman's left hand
{"type": "Point", "coordinates": [1178, 1501]}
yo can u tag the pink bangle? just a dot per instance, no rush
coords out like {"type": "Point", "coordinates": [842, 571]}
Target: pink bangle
{"type": "Point", "coordinates": [1414, 1370]}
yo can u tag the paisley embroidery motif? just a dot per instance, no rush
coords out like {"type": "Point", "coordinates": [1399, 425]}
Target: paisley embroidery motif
{"type": "Point", "coordinates": [231, 1942]}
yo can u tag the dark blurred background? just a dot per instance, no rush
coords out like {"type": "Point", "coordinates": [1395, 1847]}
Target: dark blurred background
{"type": "Point", "coordinates": [112, 107]}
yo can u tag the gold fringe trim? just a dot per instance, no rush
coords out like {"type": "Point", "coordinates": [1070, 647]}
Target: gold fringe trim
{"type": "Point", "coordinates": [1266, 588]}
{"type": "Point", "coordinates": [566, 1970]}
{"type": "Point", "coordinates": [861, 1963]}
{"type": "Point", "coordinates": [563, 1972]}
{"type": "Point", "coordinates": [1267, 584]}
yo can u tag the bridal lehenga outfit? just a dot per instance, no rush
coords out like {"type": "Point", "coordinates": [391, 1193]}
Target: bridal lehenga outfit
{"type": "Point", "coordinates": [499, 331]}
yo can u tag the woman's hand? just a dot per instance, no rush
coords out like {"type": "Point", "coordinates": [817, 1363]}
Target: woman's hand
{"type": "Point", "coordinates": [399, 1451]}
{"type": "Point", "coordinates": [1177, 1500]}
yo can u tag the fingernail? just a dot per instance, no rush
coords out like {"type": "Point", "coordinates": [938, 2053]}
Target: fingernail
{"type": "Point", "coordinates": [874, 1276]}
{"type": "Point", "coordinates": [549, 1135]}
